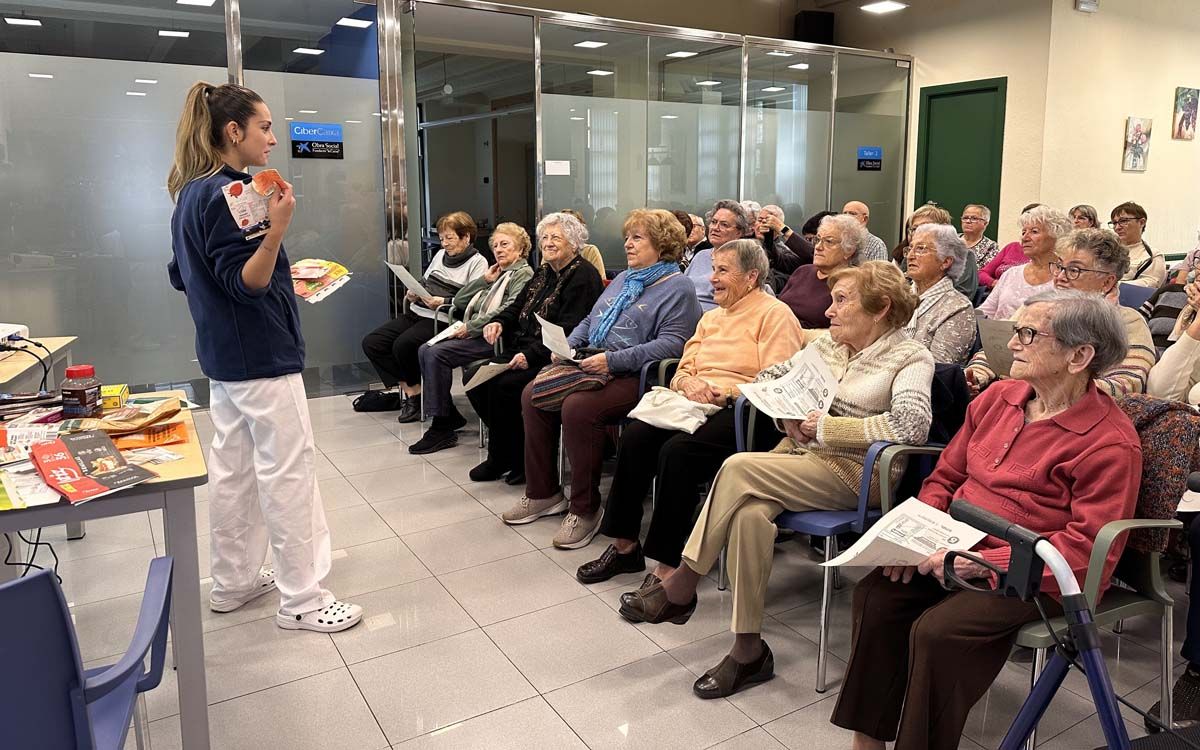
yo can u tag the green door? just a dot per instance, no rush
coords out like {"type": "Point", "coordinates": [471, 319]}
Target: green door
{"type": "Point", "coordinates": [960, 145]}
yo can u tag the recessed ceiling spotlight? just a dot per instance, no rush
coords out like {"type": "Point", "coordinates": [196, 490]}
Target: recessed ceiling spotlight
{"type": "Point", "coordinates": [884, 6]}
{"type": "Point", "coordinates": [135, 93]}
{"type": "Point", "coordinates": [205, 3]}
{"type": "Point", "coordinates": [799, 66]}
{"type": "Point", "coordinates": [773, 89]}
{"type": "Point", "coordinates": [590, 44]}
{"type": "Point", "coordinates": [577, 119]}
{"type": "Point", "coordinates": [22, 21]}
{"type": "Point", "coordinates": [376, 114]}
{"type": "Point", "coordinates": [308, 111]}
{"type": "Point", "coordinates": [355, 23]}
{"type": "Point", "coordinates": [41, 75]}
{"type": "Point", "coordinates": [600, 72]}
{"type": "Point", "coordinates": [779, 53]}
{"type": "Point", "coordinates": [708, 83]}
{"type": "Point", "coordinates": [670, 117]}
{"type": "Point", "coordinates": [682, 53]}
{"type": "Point", "coordinates": [308, 51]}
{"type": "Point", "coordinates": [354, 122]}
{"type": "Point", "coordinates": [176, 34]}
{"type": "Point", "coordinates": [147, 81]}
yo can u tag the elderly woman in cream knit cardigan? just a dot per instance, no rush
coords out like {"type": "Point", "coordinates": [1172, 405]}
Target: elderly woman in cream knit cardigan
{"type": "Point", "coordinates": [883, 394]}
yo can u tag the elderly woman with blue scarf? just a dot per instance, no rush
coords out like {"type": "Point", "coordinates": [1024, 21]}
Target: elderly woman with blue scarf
{"type": "Point", "coordinates": [647, 313]}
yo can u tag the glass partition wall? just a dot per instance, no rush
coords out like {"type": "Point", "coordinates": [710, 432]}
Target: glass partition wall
{"type": "Point", "coordinates": [507, 112]}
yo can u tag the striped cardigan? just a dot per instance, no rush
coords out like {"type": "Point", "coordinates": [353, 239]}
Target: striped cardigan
{"type": "Point", "coordinates": [883, 394]}
{"type": "Point", "coordinates": [1126, 378]}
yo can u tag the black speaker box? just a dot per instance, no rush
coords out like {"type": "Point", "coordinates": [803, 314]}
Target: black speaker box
{"type": "Point", "coordinates": [814, 26]}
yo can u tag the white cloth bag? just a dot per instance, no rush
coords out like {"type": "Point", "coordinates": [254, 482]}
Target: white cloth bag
{"type": "Point", "coordinates": [669, 410]}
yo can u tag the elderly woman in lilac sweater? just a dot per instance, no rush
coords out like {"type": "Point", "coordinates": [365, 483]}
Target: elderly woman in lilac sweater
{"type": "Point", "coordinates": [647, 313]}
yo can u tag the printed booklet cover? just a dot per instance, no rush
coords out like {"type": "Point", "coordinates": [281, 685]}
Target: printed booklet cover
{"type": "Point", "coordinates": [85, 465]}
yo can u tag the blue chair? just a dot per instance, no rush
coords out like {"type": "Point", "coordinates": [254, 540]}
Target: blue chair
{"type": "Point", "coordinates": [48, 699]}
{"type": "Point", "coordinates": [1134, 295]}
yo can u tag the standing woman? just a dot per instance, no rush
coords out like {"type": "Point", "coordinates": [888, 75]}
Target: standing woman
{"type": "Point", "coordinates": [262, 467]}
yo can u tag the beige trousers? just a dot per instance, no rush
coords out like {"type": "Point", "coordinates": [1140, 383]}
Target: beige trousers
{"type": "Point", "coordinates": [750, 490]}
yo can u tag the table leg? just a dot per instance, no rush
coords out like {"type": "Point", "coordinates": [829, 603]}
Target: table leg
{"type": "Point", "coordinates": [179, 523]}
{"type": "Point", "coordinates": [76, 530]}
{"type": "Point", "coordinates": [10, 572]}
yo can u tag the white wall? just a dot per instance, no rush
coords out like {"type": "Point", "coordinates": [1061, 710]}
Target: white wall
{"type": "Point", "coordinates": [1124, 61]}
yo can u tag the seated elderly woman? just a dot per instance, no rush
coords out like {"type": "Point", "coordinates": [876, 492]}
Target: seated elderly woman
{"type": "Point", "coordinates": [645, 314]}
{"type": "Point", "coordinates": [1047, 450]}
{"type": "Point", "coordinates": [561, 291]}
{"type": "Point", "coordinates": [975, 218]}
{"type": "Point", "coordinates": [1084, 216]}
{"type": "Point", "coordinates": [475, 305]}
{"type": "Point", "coordinates": [1010, 255]}
{"type": "Point", "coordinates": [1041, 229]}
{"type": "Point", "coordinates": [883, 394]}
{"type": "Point", "coordinates": [944, 321]}
{"type": "Point", "coordinates": [1092, 261]}
{"type": "Point", "coordinates": [392, 347]}
{"type": "Point", "coordinates": [839, 244]}
{"type": "Point", "coordinates": [749, 331]}
{"type": "Point", "coordinates": [967, 281]}
{"type": "Point", "coordinates": [727, 221]}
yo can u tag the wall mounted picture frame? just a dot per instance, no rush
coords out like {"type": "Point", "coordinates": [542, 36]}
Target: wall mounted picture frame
{"type": "Point", "coordinates": [1183, 123]}
{"type": "Point", "coordinates": [1137, 143]}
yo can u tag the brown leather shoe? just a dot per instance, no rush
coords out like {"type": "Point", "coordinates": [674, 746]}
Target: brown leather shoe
{"type": "Point", "coordinates": [651, 605]}
{"type": "Point", "coordinates": [610, 564]}
{"type": "Point", "coordinates": [729, 676]}
{"type": "Point", "coordinates": [647, 582]}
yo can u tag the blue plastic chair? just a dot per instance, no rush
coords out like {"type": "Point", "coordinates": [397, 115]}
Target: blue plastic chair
{"type": "Point", "coordinates": [828, 524]}
{"type": "Point", "coordinates": [1134, 295]}
{"type": "Point", "coordinates": [48, 700]}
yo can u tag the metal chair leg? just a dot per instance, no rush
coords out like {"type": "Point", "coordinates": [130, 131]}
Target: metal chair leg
{"type": "Point", "coordinates": [562, 462]}
{"type": "Point", "coordinates": [1166, 678]}
{"type": "Point", "coordinates": [722, 573]}
{"type": "Point", "coordinates": [823, 631]}
{"type": "Point", "coordinates": [1039, 664]}
{"type": "Point", "coordinates": [423, 415]}
{"type": "Point", "coordinates": [1119, 627]}
{"type": "Point", "coordinates": [141, 727]}
{"type": "Point", "coordinates": [483, 436]}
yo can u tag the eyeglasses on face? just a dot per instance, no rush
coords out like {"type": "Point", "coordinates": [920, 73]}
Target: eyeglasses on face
{"type": "Point", "coordinates": [972, 219]}
{"type": "Point", "coordinates": [1121, 221]}
{"type": "Point", "coordinates": [1072, 272]}
{"type": "Point", "coordinates": [921, 249]}
{"type": "Point", "coordinates": [1026, 335]}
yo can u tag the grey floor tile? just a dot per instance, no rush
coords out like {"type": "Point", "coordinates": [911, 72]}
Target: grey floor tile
{"type": "Point", "coordinates": [511, 587]}
{"type": "Point", "coordinates": [569, 642]}
{"type": "Point", "coordinates": [528, 725]}
{"type": "Point", "coordinates": [809, 727]}
{"type": "Point", "coordinates": [105, 628]}
{"type": "Point", "coordinates": [400, 482]}
{"type": "Point", "coordinates": [371, 458]}
{"type": "Point", "coordinates": [258, 655]}
{"type": "Point", "coordinates": [495, 496]}
{"type": "Point", "coordinates": [95, 579]}
{"type": "Point", "coordinates": [325, 421]}
{"type": "Point", "coordinates": [402, 617]}
{"type": "Point", "coordinates": [429, 510]}
{"type": "Point", "coordinates": [806, 620]}
{"type": "Point", "coordinates": [647, 704]}
{"type": "Point", "coordinates": [755, 739]}
{"type": "Point", "coordinates": [1086, 734]}
{"type": "Point", "coordinates": [461, 677]}
{"type": "Point", "coordinates": [713, 614]}
{"type": "Point", "coordinates": [993, 714]}
{"type": "Point", "coordinates": [351, 438]}
{"type": "Point", "coordinates": [355, 525]}
{"type": "Point", "coordinates": [373, 566]}
{"type": "Point", "coordinates": [338, 493]}
{"type": "Point", "coordinates": [325, 469]}
{"type": "Point", "coordinates": [465, 545]}
{"type": "Point", "coordinates": [104, 536]}
{"type": "Point", "coordinates": [1129, 667]}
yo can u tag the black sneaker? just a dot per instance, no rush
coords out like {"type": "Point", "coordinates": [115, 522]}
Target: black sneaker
{"type": "Point", "coordinates": [1185, 702]}
{"type": "Point", "coordinates": [488, 471]}
{"type": "Point", "coordinates": [377, 401]}
{"type": "Point", "coordinates": [515, 477]}
{"type": "Point", "coordinates": [434, 440]}
{"type": "Point", "coordinates": [411, 411]}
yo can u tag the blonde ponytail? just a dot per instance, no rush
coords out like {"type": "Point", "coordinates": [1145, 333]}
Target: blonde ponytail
{"type": "Point", "coordinates": [207, 109]}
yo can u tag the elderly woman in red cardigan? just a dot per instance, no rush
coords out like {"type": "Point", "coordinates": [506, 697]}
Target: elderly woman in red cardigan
{"type": "Point", "coordinates": [1046, 450]}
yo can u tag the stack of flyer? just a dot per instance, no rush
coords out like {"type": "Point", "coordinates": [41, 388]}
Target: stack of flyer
{"type": "Point", "coordinates": [83, 466]}
{"type": "Point", "coordinates": [314, 279]}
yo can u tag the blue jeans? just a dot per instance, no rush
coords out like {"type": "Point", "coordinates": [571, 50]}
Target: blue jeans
{"type": "Point", "coordinates": [437, 367]}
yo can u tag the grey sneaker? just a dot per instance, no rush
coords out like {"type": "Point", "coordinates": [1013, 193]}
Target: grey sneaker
{"type": "Point", "coordinates": [528, 510]}
{"type": "Point", "coordinates": [577, 531]}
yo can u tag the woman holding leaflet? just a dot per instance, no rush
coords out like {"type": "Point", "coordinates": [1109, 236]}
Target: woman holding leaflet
{"type": "Point", "coordinates": [262, 466]}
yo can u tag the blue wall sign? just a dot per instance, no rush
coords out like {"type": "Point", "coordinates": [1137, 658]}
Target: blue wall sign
{"type": "Point", "coordinates": [316, 140]}
{"type": "Point", "coordinates": [870, 158]}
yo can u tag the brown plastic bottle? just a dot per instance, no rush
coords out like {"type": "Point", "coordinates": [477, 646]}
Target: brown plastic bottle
{"type": "Point", "coordinates": [81, 393]}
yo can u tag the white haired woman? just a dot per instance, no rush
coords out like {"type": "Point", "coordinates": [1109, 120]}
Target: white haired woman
{"type": "Point", "coordinates": [975, 218]}
{"type": "Point", "coordinates": [562, 291]}
{"type": "Point", "coordinates": [839, 244]}
{"type": "Point", "coordinates": [1041, 228]}
{"type": "Point", "coordinates": [944, 321]}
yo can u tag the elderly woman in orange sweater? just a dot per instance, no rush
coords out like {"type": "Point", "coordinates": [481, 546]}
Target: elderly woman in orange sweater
{"type": "Point", "coordinates": [748, 331]}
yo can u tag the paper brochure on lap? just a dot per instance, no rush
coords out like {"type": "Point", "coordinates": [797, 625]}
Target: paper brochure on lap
{"type": "Point", "coordinates": [450, 331]}
{"type": "Point", "coordinates": [554, 338]}
{"type": "Point", "coordinates": [486, 373]}
{"type": "Point", "coordinates": [909, 533]}
{"type": "Point", "coordinates": [809, 386]}
{"type": "Point", "coordinates": [410, 282]}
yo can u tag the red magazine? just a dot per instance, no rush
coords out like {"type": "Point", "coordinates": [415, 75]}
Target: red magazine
{"type": "Point", "coordinates": [85, 465]}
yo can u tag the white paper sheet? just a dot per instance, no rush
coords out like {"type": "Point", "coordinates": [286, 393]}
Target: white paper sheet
{"type": "Point", "coordinates": [994, 335]}
{"type": "Point", "coordinates": [906, 535]}
{"type": "Point", "coordinates": [1190, 503]}
{"type": "Point", "coordinates": [447, 333]}
{"type": "Point", "coordinates": [809, 386]}
{"type": "Point", "coordinates": [486, 373]}
{"type": "Point", "coordinates": [555, 338]}
{"type": "Point", "coordinates": [409, 281]}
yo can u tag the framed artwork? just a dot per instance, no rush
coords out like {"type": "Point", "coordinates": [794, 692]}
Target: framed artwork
{"type": "Point", "coordinates": [1137, 144]}
{"type": "Point", "coordinates": [1183, 124]}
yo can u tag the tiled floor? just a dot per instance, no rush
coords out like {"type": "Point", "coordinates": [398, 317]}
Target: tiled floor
{"type": "Point", "coordinates": [478, 636]}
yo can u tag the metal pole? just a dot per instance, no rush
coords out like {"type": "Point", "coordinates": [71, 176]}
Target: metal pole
{"type": "Point", "coordinates": [744, 122]}
{"type": "Point", "coordinates": [539, 165]}
{"type": "Point", "coordinates": [233, 41]}
{"type": "Point", "coordinates": [832, 124]}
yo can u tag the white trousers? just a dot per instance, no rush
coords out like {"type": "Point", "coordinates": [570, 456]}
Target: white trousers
{"type": "Point", "coordinates": [263, 489]}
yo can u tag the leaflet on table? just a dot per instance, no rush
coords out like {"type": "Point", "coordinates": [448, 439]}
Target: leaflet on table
{"type": "Point", "coordinates": [15, 441]}
{"type": "Point", "coordinates": [809, 386]}
{"type": "Point", "coordinates": [153, 456]}
{"type": "Point", "coordinates": [85, 465]}
{"type": "Point", "coordinates": [554, 338]}
{"type": "Point", "coordinates": [248, 207]}
{"type": "Point", "coordinates": [409, 281]}
{"type": "Point", "coordinates": [314, 279]}
{"type": "Point", "coordinates": [485, 373]}
{"type": "Point", "coordinates": [450, 331]}
{"type": "Point", "coordinates": [129, 418]}
{"type": "Point", "coordinates": [22, 487]}
{"type": "Point", "coordinates": [906, 535]}
{"type": "Point", "coordinates": [159, 434]}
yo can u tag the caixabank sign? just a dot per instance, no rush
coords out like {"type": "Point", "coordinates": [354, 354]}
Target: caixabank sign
{"type": "Point", "coordinates": [316, 140]}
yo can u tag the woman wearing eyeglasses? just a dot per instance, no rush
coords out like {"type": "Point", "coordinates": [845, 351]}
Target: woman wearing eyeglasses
{"type": "Point", "coordinates": [944, 321]}
{"type": "Point", "coordinates": [1041, 228]}
{"type": "Point", "coordinates": [1093, 261]}
{"type": "Point", "coordinates": [1146, 267]}
{"type": "Point", "coordinates": [975, 219]}
{"type": "Point", "coordinates": [1048, 450]}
